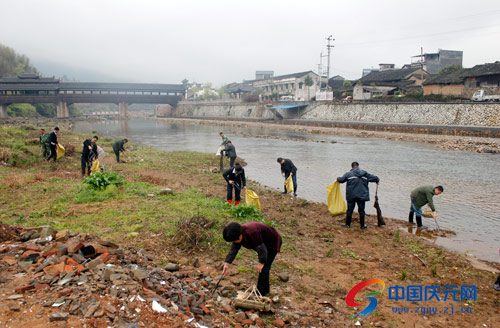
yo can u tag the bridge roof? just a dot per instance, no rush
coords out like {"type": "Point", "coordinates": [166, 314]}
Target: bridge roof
{"type": "Point", "coordinates": [35, 82]}
{"type": "Point", "coordinates": [97, 86]}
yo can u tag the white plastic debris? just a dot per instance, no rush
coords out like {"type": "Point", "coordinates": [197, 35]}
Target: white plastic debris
{"type": "Point", "coordinates": [158, 308]}
{"type": "Point", "coordinates": [58, 304]}
{"type": "Point", "coordinates": [140, 298]}
{"type": "Point", "coordinates": [175, 307]}
{"type": "Point", "coordinates": [358, 323]}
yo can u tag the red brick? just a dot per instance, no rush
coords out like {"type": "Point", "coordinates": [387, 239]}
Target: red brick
{"type": "Point", "coordinates": [73, 263]}
{"type": "Point", "coordinates": [9, 260]}
{"type": "Point", "coordinates": [24, 288]}
{"type": "Point", "coordinates": [259, 322]}
{"type": "Point", "coordinates": [279, 323]}
{"type": "Point", "coordinates": [33, 247]}
{"type": "Point", "coordinates": [69, 268]}
{"type": "Point", "coordinates": [247, 322]}
{"type": "Point", "coordinates": [49, 253]}
{"type": "Point", "coordinates": [205, 309]}
{"type": "Point", "coordinates": [65, 291]}
{"type": "Point", "coordinates": [105, 256]}
{"type": "Point", "coordinates": [4, 249]}
{"type": "Point", "coordinates": [149, 292]}
{"type": "Point", "coordinates": [75, 248]}
{"type": "Point", "coordinates": [238, 326]}
{"type": "Point", "coordinates": [28, 253]}
{"type": "Point", "coordinates": [54, 270]}
{"type": "Point", "coordinates": [41, 286]}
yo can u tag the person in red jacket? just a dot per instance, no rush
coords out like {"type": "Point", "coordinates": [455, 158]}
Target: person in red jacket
{"type": "Point", "coordinates": [260, 237]}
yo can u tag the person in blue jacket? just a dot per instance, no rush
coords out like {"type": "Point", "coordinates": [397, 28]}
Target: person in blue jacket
{"type": "Point", "coordinates": [357, 192]}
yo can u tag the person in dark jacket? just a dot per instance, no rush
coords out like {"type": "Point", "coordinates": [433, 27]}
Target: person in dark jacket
{"type": "Point", "coordinates": [53, 144]}
{"type": "Point", "coordinates": [89, 152]}
{"type": "Point", "coordinates": [419, 197]}
{"type": "Point", "coordinates": [357, 192]}
{"type": "Point", "coordinates": [287, 169]}
{"type": "Point", "coordinates": [260, 237]}
{"type": "Point", "coordinates": [230, 152]}
{"type": "Point", "coordinates": [118, 147]}
{"type": "Point", "coordinates": [235, 178]}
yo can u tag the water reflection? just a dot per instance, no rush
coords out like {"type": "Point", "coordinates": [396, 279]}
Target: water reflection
{"type": "Point", "coordinates": [469, 204]}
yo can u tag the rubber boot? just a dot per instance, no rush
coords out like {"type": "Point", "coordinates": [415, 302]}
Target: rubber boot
{"type": "Point", "coordinates": [236, 203]}
{"type": "Point", "coordinates": [419, 221]}
{"type": "Point", "coordinates": [230, 201]}
{"type": "Point", "coordinates": [410, 218]}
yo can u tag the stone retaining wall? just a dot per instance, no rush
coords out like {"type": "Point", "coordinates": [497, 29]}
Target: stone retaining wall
{"type": "Point", "coordinates": [477, 114]}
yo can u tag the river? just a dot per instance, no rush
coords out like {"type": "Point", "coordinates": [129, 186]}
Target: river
{"type": "Point", "coordinates": [469, 205]}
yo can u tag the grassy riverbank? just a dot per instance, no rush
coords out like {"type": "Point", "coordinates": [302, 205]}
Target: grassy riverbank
{"type": "Point", "coordinates": [323, 260]}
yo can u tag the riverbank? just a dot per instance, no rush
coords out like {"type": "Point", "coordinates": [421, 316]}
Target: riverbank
{"type": "Point", "coordinates": [322, 260]}
{"type": "Point", "coordinates": [446, 142]}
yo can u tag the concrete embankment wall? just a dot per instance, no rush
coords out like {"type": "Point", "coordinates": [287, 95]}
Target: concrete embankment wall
{"type": "Point", "coordinates": [471, 119]}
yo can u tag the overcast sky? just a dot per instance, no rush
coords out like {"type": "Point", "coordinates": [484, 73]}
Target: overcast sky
{"type": "Point", "coordinates": [227, 41]}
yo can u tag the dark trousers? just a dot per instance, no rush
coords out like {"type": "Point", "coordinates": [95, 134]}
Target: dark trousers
{"type": "Point", "coordinates": [85, 164]}
{"type": "Point", "coordinates": [350, 209]}
{"type": "Point", "coordinates": [117, 154]}
{"type": "Point", "coordinates": [263, 280]}
{"type": "Point", "coordinates": [237, 192]}
{"type": "Point", "coordinates": [231, 161]}
{"type": "Point", "coordinates": [53, 153]}
{"type": "Point", "coordinates": [294, 180]}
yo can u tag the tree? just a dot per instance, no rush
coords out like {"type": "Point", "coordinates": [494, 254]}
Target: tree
{"type": "Point", "coordinates": [23, 110]}
{"type": "Point", "coordinates": [11, 63]}
{"type": "Point", "coordinates": [451, 68]}
{"type": "Point", "coordinates": [221, 91]}
{"type": "Point", "coordinates": [46, 110]}
{"type": "Point", "coordinates": [308, 81]}
{"type": "Point", "coordinates": [347, 84]}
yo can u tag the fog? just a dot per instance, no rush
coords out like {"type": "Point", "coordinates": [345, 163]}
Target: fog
{"type": "Point", "coordinates": [227, 41]}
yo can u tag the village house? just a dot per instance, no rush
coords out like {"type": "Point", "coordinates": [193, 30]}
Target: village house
{"type": "Point", "coordinates": [292, 86]}
{"type": "Point", "coordinates": [462, 83]}
{"type": "Point", "coordinates": [388, 81]}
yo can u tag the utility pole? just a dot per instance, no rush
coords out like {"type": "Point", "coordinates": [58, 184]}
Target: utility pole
{"type": "Point", "coordinates": [329, 47]}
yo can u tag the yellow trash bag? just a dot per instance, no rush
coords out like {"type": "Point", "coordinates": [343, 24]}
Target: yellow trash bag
{"type": "Point", "coordinates": [60, 151]}
{"type": "Point", "coordinates": [252, 198]}
{"type": "Point", "coordinates": [289, 184]}
{"type": "Point", "coordinates": [95, 167]}
{"type": "Point", "coordinates": [335, 201]}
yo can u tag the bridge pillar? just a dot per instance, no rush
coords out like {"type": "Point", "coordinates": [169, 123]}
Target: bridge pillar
{"type": "Point", "coordinates": [123, 109]}
{"type": "Point", "coordinates": [62, 109]}
{"type": "Point", "coordinates": [3, 111]}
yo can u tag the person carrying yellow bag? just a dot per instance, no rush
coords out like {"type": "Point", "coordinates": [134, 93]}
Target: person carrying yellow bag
{"type": "Point", "coordinates": [357, 192]}
{"type": "Point", "coordinates": [289, 171]}
{"type": "Point", "coordinates": [252, 198]}
{"type": "Point", "coordinates": [335, 201]}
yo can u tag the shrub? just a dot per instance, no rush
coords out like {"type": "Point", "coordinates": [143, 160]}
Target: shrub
{"type": "Point", "coordinates": [100, 180]}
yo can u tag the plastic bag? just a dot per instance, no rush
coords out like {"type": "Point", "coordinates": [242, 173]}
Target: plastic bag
{"type": "Point", "coordinates": [428, 214]}
{"type": "Point", "coordinates": [217, 153]}
{"type": "Point", "coordinates": [95, 166]}
{"type": "Point", "coordinates": [289, 184]}
{"type": "Point", "coordinates": [60, 151]}
{"type": "Point", "coordinates": [252, 198]}
{"type": "Point", "coordinates": [335, 201]}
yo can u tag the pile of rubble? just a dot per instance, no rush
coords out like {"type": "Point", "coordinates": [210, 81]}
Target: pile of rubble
{"type": "Point", "coordinates": [80, 280]}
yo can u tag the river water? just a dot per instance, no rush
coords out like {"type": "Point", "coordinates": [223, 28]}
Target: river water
{"type": "Point", "coordinates": [469, 205]}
